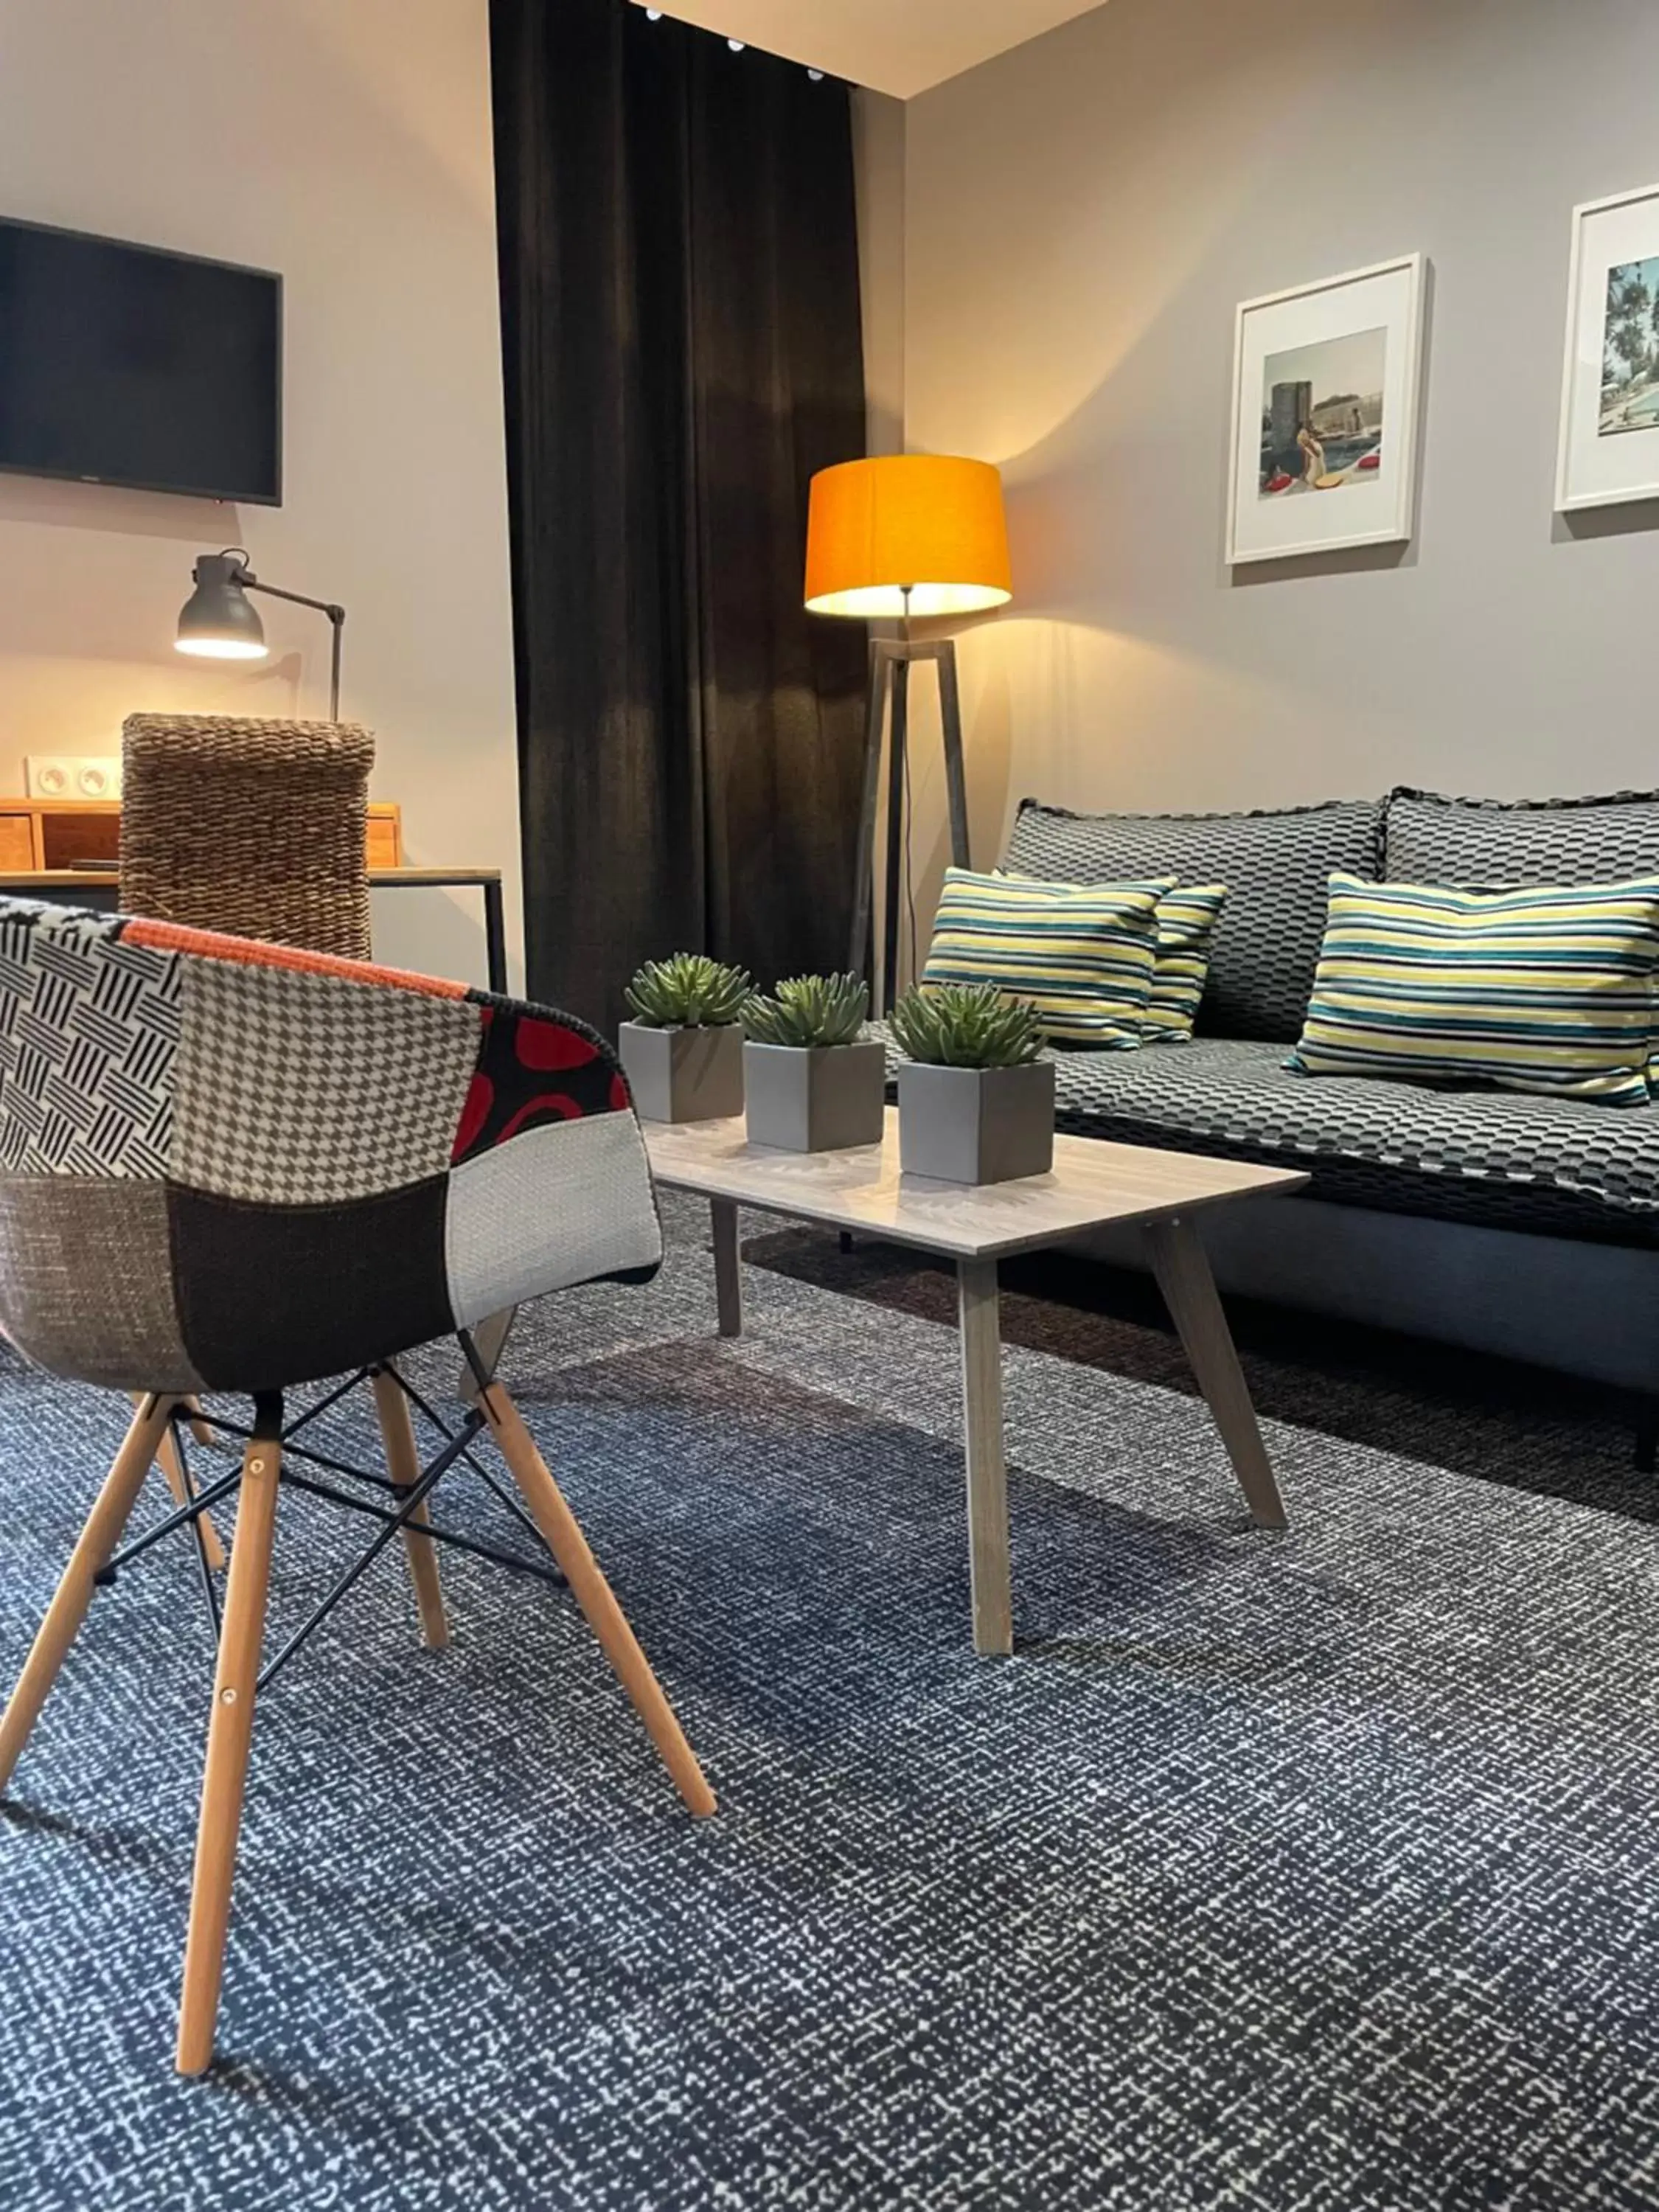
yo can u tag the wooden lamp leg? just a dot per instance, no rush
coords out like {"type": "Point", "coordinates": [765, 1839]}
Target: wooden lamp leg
{"type": "Point", "coordinates": [230, 1731]}
{"type": "Point", "coordinates": [99, 1539]}
{"type": "Point", "coordinates": [403, 1464]}
{"type": "Point", "coordinates": [593, 1593]}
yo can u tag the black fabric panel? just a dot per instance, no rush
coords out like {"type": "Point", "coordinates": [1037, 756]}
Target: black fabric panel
{"type": "Point", "coordinates": [682, 351]}
{"type": "Point", "coordinates": [272, 1295]}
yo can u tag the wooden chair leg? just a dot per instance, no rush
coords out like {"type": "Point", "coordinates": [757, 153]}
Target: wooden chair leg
{"type": "Point", "coordinates": [98, 1539]}
{"type": "Point", "coordinates": [594, 1595]}
{"type": "Point", "coordinates": [173, 1467]}
{"type": "Point", "coordinates": [230, 1730]}
{"type": "Point", "coordinates": [200, 1428]}
{"type": "Point", "coordinates": [403, 1464]}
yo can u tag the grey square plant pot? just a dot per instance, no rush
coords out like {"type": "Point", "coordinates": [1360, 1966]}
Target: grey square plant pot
{"type": "Point", "coordinates": [683, 1074]}
{"type": "Point", "coordinates": [976, 1124]}
{"type": "Point", "coordinates": [815, 1098]}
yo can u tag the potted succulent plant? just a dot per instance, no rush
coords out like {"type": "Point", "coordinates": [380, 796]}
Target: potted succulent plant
{"type": "Point", "coordinates": [683, 1051]}
{"type": "Point", "coordinates": [814, 1082]}
{"type": "Point", "coordinates": [975, 1104]}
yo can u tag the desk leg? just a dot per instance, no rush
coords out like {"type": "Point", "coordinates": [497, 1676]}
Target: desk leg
{"type": "Point", "coordinates": [728, 1279]}
{"type": "Point", "coordinates": [1182, 1269]}
{"type": "Point", "coordinates": [988, 1474]}
{"type": "Point", "coordinates": [495, 938]}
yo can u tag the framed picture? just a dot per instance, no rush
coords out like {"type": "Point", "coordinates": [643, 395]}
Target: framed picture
{"type": "Point", "coordinates": [1325, 382]}
{"type": "Point", "coordinates": [1609, 447]}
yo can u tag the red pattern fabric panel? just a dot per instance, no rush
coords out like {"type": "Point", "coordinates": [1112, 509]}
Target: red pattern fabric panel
{"type": "Point", "coordinates": [535, 1068]}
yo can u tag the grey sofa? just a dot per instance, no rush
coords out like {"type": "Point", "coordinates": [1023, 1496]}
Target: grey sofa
{"type": "Point", "coordinates": [1522, 1225]}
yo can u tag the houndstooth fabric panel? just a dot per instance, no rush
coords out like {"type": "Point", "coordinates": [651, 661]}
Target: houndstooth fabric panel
{"type": "Point", "coordinates": [1430, 839]}
{"type": "Point", "coordinates": [1275, 866]}
{"type": "Point", "coordinates": [88, 1032]}
{"type": "Point", "coordinates": [303, 1090]}
{"type": "Point", "coordinates": [1561, 1167]}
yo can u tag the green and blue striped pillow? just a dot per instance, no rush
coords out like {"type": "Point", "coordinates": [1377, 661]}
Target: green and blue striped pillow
{"type": "Point", "coordinates": [1082, 953]}
{"type": "Point", "coordinates": [1545, 990]}
{"type": "Point", "coordinates": [1186, 920]}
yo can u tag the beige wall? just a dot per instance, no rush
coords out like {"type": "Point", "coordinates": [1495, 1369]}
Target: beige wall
{"type": "Point", "coordinates": [1082, 216]}
{"type": "Point", "coordinates": [345, 143]}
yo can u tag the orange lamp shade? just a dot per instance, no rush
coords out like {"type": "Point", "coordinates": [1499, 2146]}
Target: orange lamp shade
{"type": "Point", "coordinates": [925, 522]}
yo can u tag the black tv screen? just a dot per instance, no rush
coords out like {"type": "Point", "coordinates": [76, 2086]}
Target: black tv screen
{"type": "Point", "coordinates": [121, 364]}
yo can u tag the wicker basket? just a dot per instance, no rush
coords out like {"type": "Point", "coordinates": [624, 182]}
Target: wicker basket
{"type": "Point", "coordinates": [254, 827]}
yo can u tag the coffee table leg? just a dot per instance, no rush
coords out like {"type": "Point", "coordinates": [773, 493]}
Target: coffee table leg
{"type": "Point", "coordinates": [728, 1281]}
{"type": "Point", "coordinates": [988, 1474]}
{"type": "Point", "coordinates": [1182, 1269]}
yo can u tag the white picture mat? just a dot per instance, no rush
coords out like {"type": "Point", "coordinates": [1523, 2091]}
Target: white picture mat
{"type": "Point", "coordinates": [1592, 470]}
{"type": "Point", "coordinates": [1388, 297]}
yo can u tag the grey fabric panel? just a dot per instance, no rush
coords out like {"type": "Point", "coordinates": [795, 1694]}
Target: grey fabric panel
{"type": "Point", "coordinates": [86, 1280]}
{"type": "Point", "coordinates": [1430, 839]}
{"type": "Point", "coordinates": [1275, 866]}
{"type": "Point", "coordinates": [1562, 1167]}
{"type": "Point", "coordinates": [1584, 1309]}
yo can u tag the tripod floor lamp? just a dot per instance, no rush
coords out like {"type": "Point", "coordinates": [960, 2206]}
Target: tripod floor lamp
{"type": "Point", "coordinates": [899, 536]}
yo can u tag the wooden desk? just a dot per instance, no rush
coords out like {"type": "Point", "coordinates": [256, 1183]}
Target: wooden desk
{"type": "Point", "coordinates": [98, 888]}
{"type": "Point", "coordinates": [42, 834]}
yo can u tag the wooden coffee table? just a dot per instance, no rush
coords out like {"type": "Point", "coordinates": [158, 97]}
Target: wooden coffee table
{"type": "Point", "coordinates": [1093, 1184]}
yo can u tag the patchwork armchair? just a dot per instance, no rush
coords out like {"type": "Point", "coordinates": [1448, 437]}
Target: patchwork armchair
{"type": "Point", "coordinates": [239, 1167]}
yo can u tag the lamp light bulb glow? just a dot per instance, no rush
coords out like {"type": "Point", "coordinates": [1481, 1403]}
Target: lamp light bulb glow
{"type": "Point", "coordinates": [220, 649]}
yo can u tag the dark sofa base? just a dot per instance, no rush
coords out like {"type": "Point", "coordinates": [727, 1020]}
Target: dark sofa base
{"type": "Point", "coordinates": [1589, 1310]}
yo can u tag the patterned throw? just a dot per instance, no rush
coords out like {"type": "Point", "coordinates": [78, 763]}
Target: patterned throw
{"type": "Point", "coordinates": [1082, 953]}
{"type": "Point", "coordinates": [1186, 922]}
{"type": "Point", "coordinates": [1548, 989]}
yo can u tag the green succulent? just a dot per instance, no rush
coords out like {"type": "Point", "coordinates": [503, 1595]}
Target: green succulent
{"type": "Point", "coordinates": [809, 1010]}
{"type": "Point", "coordinates": [966, 1025]}
{"type": "Point", "coordinates": [689, 991]}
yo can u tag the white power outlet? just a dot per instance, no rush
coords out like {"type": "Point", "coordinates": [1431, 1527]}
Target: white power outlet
{"type": "Point", "coordinates": [72, 775]}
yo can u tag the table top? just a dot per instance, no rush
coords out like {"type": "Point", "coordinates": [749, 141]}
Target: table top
{"type": "Point", "coordinates": [69, 879]}
{"type": "Point", "coordinates": [1093, 1184]}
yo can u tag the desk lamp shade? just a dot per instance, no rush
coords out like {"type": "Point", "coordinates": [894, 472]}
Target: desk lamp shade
{"type": "Point", "coordinates": [219, 621]}
{"type": "Point", "coordinates": [926, 524]}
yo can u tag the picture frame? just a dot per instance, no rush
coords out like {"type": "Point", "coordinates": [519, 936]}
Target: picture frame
{"type": "Point", "coordinates": [1326, 384]}
{"type": "Point", "coordinates": [1608, 452]}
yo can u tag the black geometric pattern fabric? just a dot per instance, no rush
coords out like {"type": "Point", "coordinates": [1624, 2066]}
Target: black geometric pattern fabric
{"type": "Point", "coordinates": [89, 1033]}
{"type": "Point", "coordinates": [1558, 1166]}
{"type": "Point", "coordinates": [301, 1089]}
{"type": "Point", "coordinates": [1274, 865]}
{"type": "Point", "coordinates": [1429, 838]}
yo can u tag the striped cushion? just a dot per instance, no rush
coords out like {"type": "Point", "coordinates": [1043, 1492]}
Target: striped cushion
{"type": "Point", "coordinates": [1186, 920]}
{"type": "Point", "coordinates": [1548, 989]}
{"type": "Point", "coordinates": [1082, 953]}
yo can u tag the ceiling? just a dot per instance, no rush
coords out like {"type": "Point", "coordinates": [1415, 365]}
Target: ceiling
{"type": "Point", "coordinates": [900, 46]}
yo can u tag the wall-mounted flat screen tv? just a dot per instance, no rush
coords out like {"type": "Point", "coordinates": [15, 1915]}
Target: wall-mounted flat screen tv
{"type": "Point", "coordinates": [122, 364]}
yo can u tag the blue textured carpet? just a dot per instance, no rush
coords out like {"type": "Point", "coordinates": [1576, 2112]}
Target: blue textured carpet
{"type": "Point", "coordinates": [1317, 1874]}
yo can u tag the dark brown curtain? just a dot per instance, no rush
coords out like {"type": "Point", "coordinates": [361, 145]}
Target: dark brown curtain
{"type": "Point", "coordinates": [680, 328]}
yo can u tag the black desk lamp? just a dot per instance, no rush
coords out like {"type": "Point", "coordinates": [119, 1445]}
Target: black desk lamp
{"type": "Point", "coordinates": [217, 623]}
